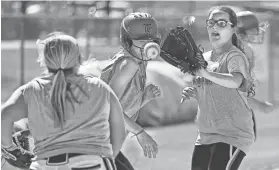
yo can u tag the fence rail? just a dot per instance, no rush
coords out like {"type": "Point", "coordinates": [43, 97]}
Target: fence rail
{"type": "Point", "coordinates": [93, 30]}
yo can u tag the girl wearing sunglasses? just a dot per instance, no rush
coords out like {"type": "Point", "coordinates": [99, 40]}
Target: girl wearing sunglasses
{"type": "Point", "coordinates": [224, 119]}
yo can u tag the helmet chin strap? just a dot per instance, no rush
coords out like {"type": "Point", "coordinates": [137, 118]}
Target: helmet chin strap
{"type": "Point", "coordinates": [141, 51]}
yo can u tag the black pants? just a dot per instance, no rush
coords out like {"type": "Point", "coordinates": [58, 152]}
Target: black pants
{"type": "Point", "coordinates": [218, 156]}
{"type": "Point", "coordinates": [122, 163]}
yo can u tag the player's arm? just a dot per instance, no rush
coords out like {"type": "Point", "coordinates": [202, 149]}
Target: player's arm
{"type": "Point", "coordinates": [145, 101]}
{"type": "Point", "coordinates": [12, 110]}
{"type": "Point", "coordinates": [238, 72]}
{"type": "Point", "coordinates": [117, 127]}
{"type": "Point", "coordinates": [124, 72]}
{"type": "Point", "coordinates": [262, 106]}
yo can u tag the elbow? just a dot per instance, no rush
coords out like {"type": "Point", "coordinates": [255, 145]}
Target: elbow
{"type": "Point", "coordinates": [5, 116]}
{"type": "Point", "coordinates": [123, 136]}
{"type": "Point", "coordinates": [237, 82]}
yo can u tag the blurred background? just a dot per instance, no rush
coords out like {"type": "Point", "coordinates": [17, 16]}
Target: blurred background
{"type": "Point", "coordinates": [23, 22]}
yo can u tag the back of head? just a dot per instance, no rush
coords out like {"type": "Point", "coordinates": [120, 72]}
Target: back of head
{"type": "Point", "coordinates": [59, 51]}
{"type": "Point", "coordinates": [59, 55]}
{"type": "Point", "coordinates": [138, 26]}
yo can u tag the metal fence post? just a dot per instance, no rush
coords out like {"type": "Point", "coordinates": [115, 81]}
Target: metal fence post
{"type": "Point", "coordinates": [22, 42]}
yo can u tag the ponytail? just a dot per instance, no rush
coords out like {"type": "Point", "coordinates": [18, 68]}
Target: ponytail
{"type": "Point", "coordinates": [237, 42]}
{"type": "Point", "coordinates": [60, 55]}
{"type": "Point", "coordinates": [58, 97]}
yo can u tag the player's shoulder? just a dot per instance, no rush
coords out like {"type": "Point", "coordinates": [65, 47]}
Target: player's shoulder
{"type": "Point", "coordinates": [125, 59]}
{"type": "Point", "coordinates": [124, 62]}
{"type": "Point", "coordinates": [236, 53]}
{"type": "Point", "coordinates": [37, 83]}
{"type": "Point", "coordinates": [97, 82]}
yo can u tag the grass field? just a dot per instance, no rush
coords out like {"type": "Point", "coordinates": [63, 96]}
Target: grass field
{"type": "Point", "coordinates": [175, 142]}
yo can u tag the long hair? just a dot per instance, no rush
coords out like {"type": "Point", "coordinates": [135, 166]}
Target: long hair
{"type": "Point", "coordinates": [60, 55]}
{"type": "Point", "coordinates": [233, 19]}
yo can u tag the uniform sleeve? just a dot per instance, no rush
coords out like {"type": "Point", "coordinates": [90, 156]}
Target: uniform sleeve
{"type": "Point", "coordinates": [237, 62]}
{"type": "Point", "coordinates": [106, 88]}
{"type": "Point", "coordinates": [30, 90]}
{"type": "Point", "coordinates": [26, 91]}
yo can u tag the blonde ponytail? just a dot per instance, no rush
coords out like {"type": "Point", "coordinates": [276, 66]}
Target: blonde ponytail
{"type": "Point", "coordinates": [58, 97]}
{"type": "Point", "coordinates": [60, 55]}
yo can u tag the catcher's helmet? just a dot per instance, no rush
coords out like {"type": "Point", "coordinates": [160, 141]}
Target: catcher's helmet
{"type": "Point", "coordinates": [249, 28]}
{"type": "Point", "coordinates": [138, 26]}
{"type": "Point", "coordinates": [246, 20]}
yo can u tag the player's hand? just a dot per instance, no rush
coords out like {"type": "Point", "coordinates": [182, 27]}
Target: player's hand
{"type": "Point", "coordinates": [152, 91]}
{"type": "Point", "coordinates": [188, 93]}
{"type": "Point", "coordinates": [149, 146]}
{"type": "Point", "coordinates": [270, 107]}
{"type": "Point", "coordinates": [198, 81]}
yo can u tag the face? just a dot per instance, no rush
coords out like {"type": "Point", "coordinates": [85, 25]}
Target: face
{"type": "Point", "coordinates": [219, 28]}
{"type": "Point", "coordinates": [138, 46]}
{"type": "Point", "coordinates": [253, 36]}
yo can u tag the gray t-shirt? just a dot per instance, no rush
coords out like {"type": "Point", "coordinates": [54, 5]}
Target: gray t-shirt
{"type": "Point", "coordinates": [223, 113]}
{"type": "Point", "coordinates": [86, 128]}
{"type": "Point", "coordinates": [132, 98]}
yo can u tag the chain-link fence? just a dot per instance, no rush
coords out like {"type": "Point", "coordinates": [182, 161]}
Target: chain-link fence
{"type": "Point", "coordinates": [99, 38]}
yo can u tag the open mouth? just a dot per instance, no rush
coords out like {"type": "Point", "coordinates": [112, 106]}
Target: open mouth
{"type": "Point", "coordinates": [215, 35]}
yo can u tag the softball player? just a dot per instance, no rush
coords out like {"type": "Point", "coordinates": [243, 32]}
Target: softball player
{"type": "Point", "coordinates": [225, 125]}
{"type": "Point", "coordinates": [126, 75]}
{"type": "Point", "coordinates": [76, 120]}
{"type": "Point", "coordinates": [252, 32]}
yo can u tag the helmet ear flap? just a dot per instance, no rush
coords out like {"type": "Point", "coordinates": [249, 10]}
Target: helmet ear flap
{"type": "Point", "coordinates": [126, 42]}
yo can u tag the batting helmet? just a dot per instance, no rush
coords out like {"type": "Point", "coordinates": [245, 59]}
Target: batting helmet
{"type": "Point", "coordinates": [138, 26]}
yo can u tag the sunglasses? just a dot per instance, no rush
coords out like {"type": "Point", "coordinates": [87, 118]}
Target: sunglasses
{"type": "Point", "coordinates": [220, 23]}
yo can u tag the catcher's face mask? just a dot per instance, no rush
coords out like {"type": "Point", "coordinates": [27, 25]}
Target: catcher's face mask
{"type": "Point", "coordinates": [254, 38]}
{"type": "Point", "coordinates": [149, 50]}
